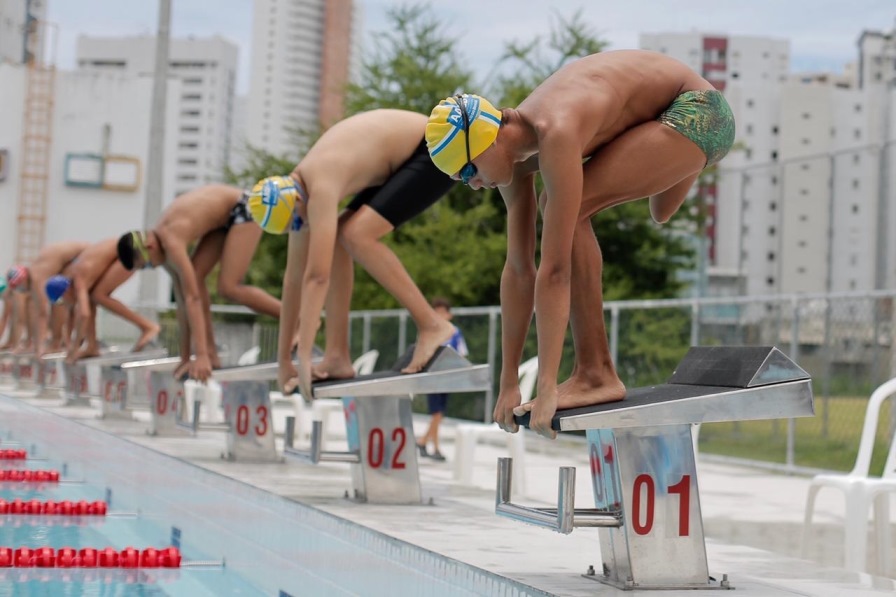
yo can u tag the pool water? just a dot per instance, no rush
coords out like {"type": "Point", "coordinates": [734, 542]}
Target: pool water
{"type": "Point", "coordinates": [245, 541]}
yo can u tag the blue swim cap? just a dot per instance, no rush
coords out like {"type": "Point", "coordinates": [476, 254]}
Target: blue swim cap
{"type": "Point", "coordinates": [56, 287]}
{"type": "Point", "coordinates": [2, 285]}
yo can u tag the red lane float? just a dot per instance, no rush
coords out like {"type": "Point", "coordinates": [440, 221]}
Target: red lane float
{"type": "Point", "coordinates": [50, 507]}
{"type": "Point", "coordinates": [12, 454]}
{"type": "Point", "coordinates": [28, 476]}
{"type": "Point", "coordinates": [89, 557]}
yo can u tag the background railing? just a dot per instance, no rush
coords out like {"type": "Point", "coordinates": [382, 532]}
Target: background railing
{"type": "Point", "coordinates": [844, 341]}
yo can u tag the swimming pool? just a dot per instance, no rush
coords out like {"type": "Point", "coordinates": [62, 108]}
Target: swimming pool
{"type": "Point", "coordinates": [268, 545]}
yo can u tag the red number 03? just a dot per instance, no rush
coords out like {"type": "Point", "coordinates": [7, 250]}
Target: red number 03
{"type": "Point", "coordinates": [242, 420]}
{"type": "Point", "coordinates": [642, 522]}
{"type": "Point", "coordinates": [376, 447]}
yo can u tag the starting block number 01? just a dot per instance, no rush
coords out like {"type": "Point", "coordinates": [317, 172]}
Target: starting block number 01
{"type": "Point", "coordinates": [376, 447]}
{"type": "Point", "coordinates": [645, 489]}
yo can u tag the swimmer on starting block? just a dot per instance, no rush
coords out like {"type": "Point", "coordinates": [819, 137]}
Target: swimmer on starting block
{"type": "Point", "coordinates": [379, 157]}
{"type": "Point", "coordinates": [605, 129]}
{"type": "Point", "coordinates": [215, 217]}
{"type": "Point", "coordinates": [89, 281]}
{"type": "Point", "coordinates": [31, 280]}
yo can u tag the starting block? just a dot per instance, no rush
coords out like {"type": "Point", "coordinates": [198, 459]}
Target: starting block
{"type": "Point", "coordinates": [643, 467]}
{"type": "Point", "coordinates": [166, 394]}
{"type": "Point", "coordinates": [379, 426]}
{"type": "Point", "coordinates": [246, 397]}
{"type": "Point", "coordinates": [111, 391]}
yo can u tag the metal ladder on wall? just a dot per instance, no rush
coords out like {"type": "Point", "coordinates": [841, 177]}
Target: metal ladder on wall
{"type": "Point", "coordinates": [37, 137]}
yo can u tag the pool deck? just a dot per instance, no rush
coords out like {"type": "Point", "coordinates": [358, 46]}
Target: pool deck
{"type": "Point", "coordinates": [752, 518]}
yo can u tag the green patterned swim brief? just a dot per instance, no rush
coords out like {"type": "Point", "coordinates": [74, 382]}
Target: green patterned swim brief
{"type": "Point", "coordinates": [705, 118]}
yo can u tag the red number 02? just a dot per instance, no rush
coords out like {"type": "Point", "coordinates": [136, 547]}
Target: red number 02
{"type": "Point", "coordinates": [376, 447]}
{"type": "Point", "coordinates": [645, 484]}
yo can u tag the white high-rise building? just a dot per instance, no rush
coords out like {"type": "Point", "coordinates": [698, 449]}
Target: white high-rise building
{"type": "Point", "coordinates": [799, 203]}
{"type": "Point", "coordinates": [206, 69]}
{"type": "Point", "coordinates": [301, 59]}
{"type": "Point", "coordinates": [18, 27]}
{"type": "Point", "coordinates": [877, 58]}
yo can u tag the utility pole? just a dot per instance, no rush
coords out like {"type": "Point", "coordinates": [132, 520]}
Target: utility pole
{"type": "Point", "coordinates": [152, 206]}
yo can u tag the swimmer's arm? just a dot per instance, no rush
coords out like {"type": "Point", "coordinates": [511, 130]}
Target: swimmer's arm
{"type": "Point", "coordinates": [291, 296]}
{"type": "Point", "coordinates": [183, 321]}
{"type": "Point", "coordinates": [101, 294]}
{"type": "Point", "coordinates": [518, 276]}
{"type": "Point", "coordinates": [4, 320]}
{"type": "Point", "coordinates": [561, 169]}
{"type": "Point", "coordinates": [41, 315]}
{"type": "Point", "coordinates": [192, 301]}
{"type": "Point", "coordinates": [82, 316]}
{"type": "Point", "coordinates": [323, 217]}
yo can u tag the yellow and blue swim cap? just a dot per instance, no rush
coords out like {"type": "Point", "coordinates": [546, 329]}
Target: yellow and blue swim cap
{"type": "Point", "coordinates": [446, 138]}
{"type": "Point", "coordinates": [272, 204]}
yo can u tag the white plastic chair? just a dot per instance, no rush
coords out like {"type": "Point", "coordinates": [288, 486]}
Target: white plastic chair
{"type": "Point", "coordinates": [250, 357]}
{"type": "Point", "coordinates": [861, 492]}
{"type": "Point", "coordinates": [469, 434]}
{"type": "Point", "coordinates": [323, 409]}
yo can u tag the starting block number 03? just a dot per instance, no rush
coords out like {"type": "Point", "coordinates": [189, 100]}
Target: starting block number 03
{"type": "Point", "coordinates": [242, 420]}
{"type": "Point", "coordinates": [376, 447]}
{"type": "Point", "coordinates": [644, 504]}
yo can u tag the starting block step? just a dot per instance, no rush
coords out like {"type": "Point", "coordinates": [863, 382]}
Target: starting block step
{"type": "Point", "coordinates": [643, 467]}
{"type": "Point", "coordinates": [379, 424]}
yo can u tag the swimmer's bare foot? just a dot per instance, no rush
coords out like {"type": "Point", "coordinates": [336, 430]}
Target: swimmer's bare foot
{"type": "Point", "coordinates": [332, 369]}
{"type": "Point", "coordinates": [577, 391]}
{"type": "Point", "coordinates": [88, 352]}
{"type": "Point", "coordinates": [146, 337]}
{"type": "Point", "coordinates": [428, 341]}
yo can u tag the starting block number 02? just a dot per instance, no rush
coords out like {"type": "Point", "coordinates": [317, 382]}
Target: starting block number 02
{"type": "Point", "coordinates": [376, 448]}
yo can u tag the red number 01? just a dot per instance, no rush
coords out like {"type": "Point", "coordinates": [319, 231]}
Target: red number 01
{"type": "Point", "coordinates": [376, 447]}
{"type": "Point", "coordinates": [644, 484]}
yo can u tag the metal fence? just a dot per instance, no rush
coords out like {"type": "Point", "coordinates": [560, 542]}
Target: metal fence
{"type": "Point", "coordinates": [844, 341]}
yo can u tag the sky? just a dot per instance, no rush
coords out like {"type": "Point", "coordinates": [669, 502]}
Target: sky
{"type": "Point", "coordinates": [822, 33]}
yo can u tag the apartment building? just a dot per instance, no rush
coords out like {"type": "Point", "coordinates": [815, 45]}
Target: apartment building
{"type": "Point", "coordinates": [206, 70]}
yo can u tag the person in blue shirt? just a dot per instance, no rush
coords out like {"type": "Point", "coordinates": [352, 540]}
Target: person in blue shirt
{"type": "Point", "coordinates": [437, 402]}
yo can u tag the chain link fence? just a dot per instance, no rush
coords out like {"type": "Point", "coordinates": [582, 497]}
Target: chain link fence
{"type": "Point", "coordinates": [843, 340]}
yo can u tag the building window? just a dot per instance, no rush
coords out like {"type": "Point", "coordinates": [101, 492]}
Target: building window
{"type": "Point", "coordinates": [806, 116]}
{"type": "Point", "coordinates": [804, 192]}
{"type": "Point", "coordinates": [858, 107]}
{"type": "Point", "coordinates": [856, 158]}
{"type": "Point", "coordinates": [801, 270]}
{"type": "Point", "coordinates": [858, 133]}
{"type": "Point", "coordinates": [771, 230]}
{"type": "Point", "coordinates": [853, 259]}
{"type": "Point", "coordinates": [771, 255]}
{"type": "Point", "coordinates": [770, 281]}
{"type": "Point", "coordinates": [774, 180]}
{"type": "Point", "coordinates": [775, 130]}
{"type": "Point", "coordinates": [804, 218]}
{"type": "Point", "coordinates": [852, 284]}
{"type": "Point", "coordinates": [775, 156]}
{"type": "Point", "coordinates": [801, 243]}
{"type": "Point", "coordinates": [855, 183]}
{"type": "Point", "coordinates": [804, 166]}
{"type": "Point", "coordinates": [772, 206]}
{"type": "Point", "coordinates": [805, 141]}
{"type": "Point", "coordinates": [749, 129]}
